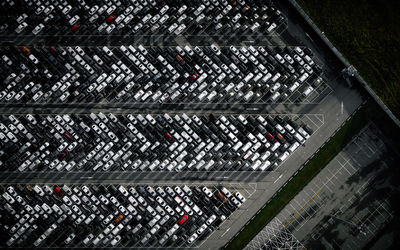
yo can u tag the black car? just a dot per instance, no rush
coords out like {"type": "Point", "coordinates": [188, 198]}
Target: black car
{"type": "Point", "coordinates": [308, 129]}
{"type": "Point", "coordinates": [270, 120]}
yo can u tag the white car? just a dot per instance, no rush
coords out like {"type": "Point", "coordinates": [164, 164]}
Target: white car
{"type": "Point", "coordinates": [192, 238]}
{"type": "Point", "coordinates": [21, 27]}
{"type": "Point", "coordinates": [180, 29]}
{"type": "Point", "coordinates": [206, 191]}
{"type": "Point", "coordinates": [74, 19]}
{"type": "Point", "coordinates": [33, 59]}
{"type": "Point", "coordinates": [272, 27]}
{"type": "Point", "coordinates": [38, 28]}
{"type": "Point", "coordinates": [240, 197]}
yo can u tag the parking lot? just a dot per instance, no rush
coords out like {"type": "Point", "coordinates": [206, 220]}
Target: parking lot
{"type": "Point", "coordinates": [345, 205]}
{"type": "Point", "coordinates": [115, 215]}
{"type": "Point", "coordinates": [99, 142]}
{"type": "Point", "coordinates": [128, 74]}
{"type": "Point", "coordinates": [68, 22]}
{"type": "Point", "coordinates": [225, 66]}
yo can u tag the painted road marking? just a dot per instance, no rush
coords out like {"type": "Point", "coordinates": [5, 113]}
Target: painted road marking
{"type": "Point", "coordinates": [278, 178]}
{"type": "Point", "coordinates": [341, 108]}
{"type": "Point", "coordinates": [225, 232]}
{"type": "Point", "coordinates": [297, 214]}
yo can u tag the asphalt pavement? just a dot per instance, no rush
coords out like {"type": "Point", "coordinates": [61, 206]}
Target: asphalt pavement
{"type": "Point", "coordinates": [334, 107]}
{"type": "Point", "coordinates": [346, 204]}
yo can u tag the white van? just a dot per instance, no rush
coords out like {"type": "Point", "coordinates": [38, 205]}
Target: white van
{"type": "Point", "coordinates": [266, 77]}
{"type": "Point", "coordinates": [264, 166]}
{"type": "Point", "coordinates": [265, 156]}
{"type": "Point", "coordinates": [172, 165]}
{"type": "Point", "coordinates": [248, 77]}
{"type": "Point", "coordinates": [202, 95]}
{"type": "Point", "coordinates": [248, 96]}
{"type": "Point", "coordinates": [276, 77]}
{"type": "Point", "coordinates": [293, 147]}
{"type": "Point", "coordinates": [259, 75]}
{"type": "Point", "coordinates": [226, 192]}
{"type": "Point", "coordinates": [299, 138]}
{"type": "Point", "coordinates": [172, 230]}
{"type": "Point", "coordinates": [211, 96]}
{"type": "Point", "coordinates": [242, 119]}
{"type": "Point", "coordinates": [154, 165]}
{"type": "Point", "coordinates": [256, 165]}
{"type": "Point", "coordinates": [294, 87]}
{"type": "Point", "coordinates": [275, 87]}
{"type": "Point", "coordinates": [303, 77]}
{"type": "Point", "coordinates": [246, 147]}
{"type": "Point", "coordinates": [232, 137]}
{"type": "Point", "coordinates": [279, 58]}
{"type": "Point", "coordinates": [180, 166]}
{"type": "Point", "coordinates": [309, 60]}
{"type": "Point", "coordinates": [303, 133]}
{"type": "Point", "coordinates": [209, 165]}
{"type": "Point", "coordinates": [171, 69]}
{"type": "Point", "coordinates": [275, 146]}
{"type": "Point", "coordinates": [88, 239]}
{"type": "Point", "coordinates": [200, 164]}
{"type": "Point", "coordinates": [237, 146]}
{"type": "Point", "coordinates": [307, 91]}
{"type": "Point", "coordinates": [145, 146]}
{"type": "Point", "coordinates": [284, 156]}
{"type": "Point", "coordinates": [275, 96]}
{"type": "Point", "coordinates": [201, 78]}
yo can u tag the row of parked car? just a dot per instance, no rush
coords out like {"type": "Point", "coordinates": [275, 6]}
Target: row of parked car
{"type": "Point", "coordinates": [115, 215]}
{"type": "Point", "coordinates": [169, 17]}
{"type": "Point", "coordinates": [99, 142]}
{"type": "Point", "coordinates": [147, 75]}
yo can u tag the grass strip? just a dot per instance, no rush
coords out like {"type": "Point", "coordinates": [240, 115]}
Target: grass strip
{"type": "Point", "coordinates": [326, 153]}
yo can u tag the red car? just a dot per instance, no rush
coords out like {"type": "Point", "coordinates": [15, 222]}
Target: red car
{"type": "Point", "coordinates": [169, 137]}
{"type": "Point", "coordinates": [75, 27]}
{"type": "Point", "coordinates": [53, 50]}
{"type": "Point", "coordinates": [68, 136]}
{"type": "Point", "coordinates": [58, 191]}
{"type": "Point", "coordinates": [180, 60]}
{"type": "Point", "coordinates": [270, 138]}
{"type": "Point", "coordinates": [183, 220]}
{"type": "Point", "coordinates": [62, 155]}
{"type": "Point", "coordinates": [111, 18]}
{"type": "Point", "coordinates": [193, 77]}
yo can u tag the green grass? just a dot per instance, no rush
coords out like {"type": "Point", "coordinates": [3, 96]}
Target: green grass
{"type": "Point", "coordinates": [312, 168]}
{"type": "Point", "coordinates": [367, 33]}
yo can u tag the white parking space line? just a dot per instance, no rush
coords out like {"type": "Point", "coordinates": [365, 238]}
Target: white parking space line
{"type": "Point", "coordinates": [308, 194]}
{"type": "Point", "coordinates": [345, 168]}
{"type": "Point", "coordinates": [310, 120]}
{"type": "Point", "coordinates": [289, 214]}
{"type": "Point", "coordinates": [362, 149]}
{"type": "Point", "coordinates": [294, 209]}
{"type": "Point", "coordinates": [300, 205]}
{"type": "Point", "coordinates": [320, 117]}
